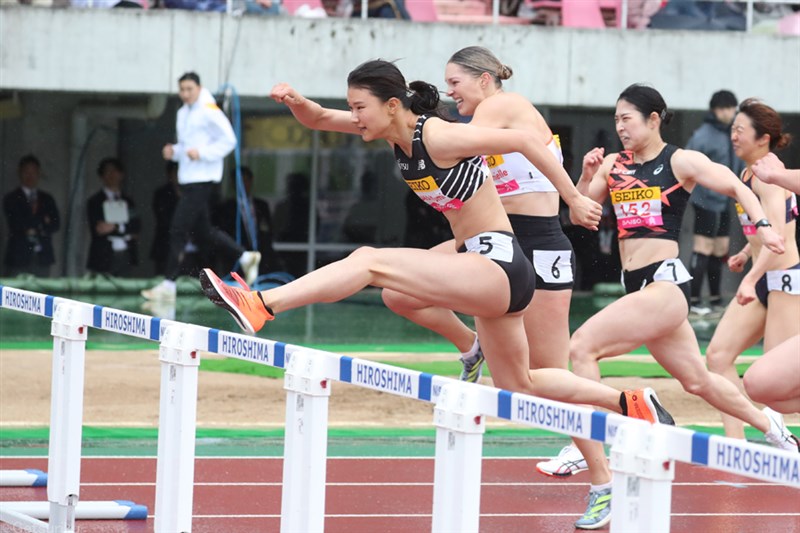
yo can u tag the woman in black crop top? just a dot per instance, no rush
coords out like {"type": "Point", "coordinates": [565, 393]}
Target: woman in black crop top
{"type": "Point", "coordinates": [494, 283]}
{"type": "Point", "coordinates": [648, 182]}
{"type": "Point", "coordinates": [775, 316]}
{"type": "Point", "coordinates": [474, 77]}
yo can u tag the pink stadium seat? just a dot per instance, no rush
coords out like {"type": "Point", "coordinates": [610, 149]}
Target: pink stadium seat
{"type": "Point", "coordinates": [292, 5]}
{"type": "Point", "coordinates": [581, 14]}
{"type": "Point", "coordinates": [421, 10]}
{"type": "Point", "coordinates": [790, 24]}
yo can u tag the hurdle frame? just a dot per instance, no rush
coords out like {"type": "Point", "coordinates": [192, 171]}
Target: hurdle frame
{"type": "Point", "coordinates": [69, 332]}
{"type": "Point", "coordinates": [642, 456]}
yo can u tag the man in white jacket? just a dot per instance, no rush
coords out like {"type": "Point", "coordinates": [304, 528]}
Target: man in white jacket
{"type": "Point", "coordinates": [205, 137]}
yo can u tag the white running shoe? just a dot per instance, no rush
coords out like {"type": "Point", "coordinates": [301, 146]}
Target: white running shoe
{"type": "Point", "coordinates": [699, 310]}
{"type": "Point", "coordinates": [162, 292]}
{"type": "Point", "coordinates": [570, 461]}
{"type": "Point", "coordinates": [249, 263]}
{"type": "Point", "coordinates": [778, 434]}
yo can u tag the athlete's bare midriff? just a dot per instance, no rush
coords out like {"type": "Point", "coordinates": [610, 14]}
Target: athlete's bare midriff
{"type": "Point", "coordinates": [480, 213]}
{"type": "Point", "coordinates": [537, 204]}
{"type": "Point", "coordinates": [638, 253]}
{"type": "Point", "coordinates": [788, 258]}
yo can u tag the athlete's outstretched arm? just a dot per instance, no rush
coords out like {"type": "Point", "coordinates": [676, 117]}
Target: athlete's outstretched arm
{"type": "Point", "coordinates": [312, 115]}
{"type": "Point", "coordinates": [697, 167]}
{"type": "Point", "coordinates": [447, 141]}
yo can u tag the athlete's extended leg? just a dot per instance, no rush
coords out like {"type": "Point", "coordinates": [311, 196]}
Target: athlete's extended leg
{"type": "Point", "coordinates": [626, 324]}
{"type": "Point", "coordinates": [679, 354]}
{"type": "Point", "coordinates": [549, 348]}
{"type": "Point", "coordinates": [437, 319]}
{"type": "Point", "coordinates": [774, 379]}
{"type": "Point", "coordinates": [467, 283]}
{"type": "Point", "coordinates": [741, 327]}
{"type": "Point", "coordinates": [502, 338]}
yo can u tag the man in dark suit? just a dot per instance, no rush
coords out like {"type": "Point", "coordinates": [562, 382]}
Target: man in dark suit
{"type": "Point", "coordinates": [113, 223]}
{"type": "Point", "coordinates": [224, 217]}
{"type": "Point", "coordinates": [32, 218]}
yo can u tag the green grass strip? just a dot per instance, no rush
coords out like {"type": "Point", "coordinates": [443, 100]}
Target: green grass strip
{"type": "Point", "coordinates": [424, 347]}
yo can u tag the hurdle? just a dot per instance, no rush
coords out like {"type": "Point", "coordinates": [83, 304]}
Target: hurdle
{"type": "Point", "coordinates": [66, 420]}
{"type": "Point", "coordinates": [30, 477]}
{"type": "Point", "coordinates": [642, 455]}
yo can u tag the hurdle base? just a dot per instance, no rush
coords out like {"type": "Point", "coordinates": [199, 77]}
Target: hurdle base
{"type": "Point", "coordinates": [99, 510]}
{"type": "Point", "coordinates": [21, 520]}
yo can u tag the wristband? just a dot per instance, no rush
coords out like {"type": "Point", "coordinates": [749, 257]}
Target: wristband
{"type": "Point", "coordinates": [763, 223]}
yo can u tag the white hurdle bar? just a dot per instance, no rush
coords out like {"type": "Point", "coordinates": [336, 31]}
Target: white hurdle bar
{"type": "Point", "coordinates": [642, 456]}
{"type": "Point", "coordinates": [30, 477]}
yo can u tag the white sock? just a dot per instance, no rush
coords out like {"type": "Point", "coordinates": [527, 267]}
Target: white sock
{"type": "Point", "coordinates": [169, 284]}
{"type": "Point", "coordinates": [598, 488]}
{"type": "Point", "coordinates": [472, 351]}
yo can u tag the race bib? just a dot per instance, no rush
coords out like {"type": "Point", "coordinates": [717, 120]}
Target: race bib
{"type": "Point", "coordinates": [787, 281]}
{"type": "Point", "coordinates": [503, 182]}
{"type": "Point", "coordinates": [673, 271]}
{"type": "Point", "coordinates": [637, 207]}
{"type": "Point", "coordinates": [747, 225]}
{"type": "Point", "coordinates": [430, 193]}
{"type": "Point", "coordinates": [495, 246]}
{"type": "Point", "coordinates": [553, 266]}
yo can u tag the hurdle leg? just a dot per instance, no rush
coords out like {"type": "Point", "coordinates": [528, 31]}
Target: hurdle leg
{"type": "Point", "coordinates": [459, 454]}
{"type": "Point", "coordinates": [177, 420]}
{"type": "Point", "coordinates": [305, 445]}
{"type": "Point", "coordinates": [642, 482]}
{"type": "Point", "coordinates": [66, 415]}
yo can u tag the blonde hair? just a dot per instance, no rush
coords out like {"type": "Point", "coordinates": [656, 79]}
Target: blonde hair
{"type": "Point", "coordinates": [476, 60]}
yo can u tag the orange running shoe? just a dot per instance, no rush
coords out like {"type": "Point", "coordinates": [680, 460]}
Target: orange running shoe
{"type": "Point", "coordinates": [643, 404]}
{"type": "Point", "coordinates": [245, 306]}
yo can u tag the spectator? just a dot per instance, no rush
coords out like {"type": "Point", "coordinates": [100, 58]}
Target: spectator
{"type": "Point", "coordinates": [425, 227]}
{"type": "Point", "coordinates": [197, 5]}
{"type": "Point", "coordinates": [291, 220]}
{"type": "Point", "coordinates": [205, 137]}
{"type": "Point", "coordinates": [712, 210]}
{"type": "Point", "coordinates": [32, 218]}
{"type": "Point", "coordinates": [113, 223]}
{"type": "Point", "coordinates": [225, 217]}
{"type": "Point", "coordinates": [363, 218]}
{"type": "Point", "coordinates": [165, 199]}
{"type": "Point", "coordinates": [387, 9]}
{"type": "Point", "coordinates": [263, 7]}
{"type": "Point", "coordinates": [109, 3]}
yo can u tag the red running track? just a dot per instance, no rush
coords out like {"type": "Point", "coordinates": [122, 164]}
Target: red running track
{"type": "Point", "coordinates": [242, 495]}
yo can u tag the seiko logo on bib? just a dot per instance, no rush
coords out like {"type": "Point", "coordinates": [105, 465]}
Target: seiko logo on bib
{"type": "Point", "coordinates": [658, 170]}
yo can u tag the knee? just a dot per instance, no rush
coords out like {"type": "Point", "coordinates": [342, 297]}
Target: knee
{"type": "Point", "coordinates": [696, 386]}
{"type": "Point", "coordinates": [753, 385]}
{"type": "Point", "coordinates": [580, 350]}
{"type": "Point", "coordinates": [716, 360]}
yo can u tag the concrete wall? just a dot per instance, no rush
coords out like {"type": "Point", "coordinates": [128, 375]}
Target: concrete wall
{"type": "Point", "coordinates": [137, 51]}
